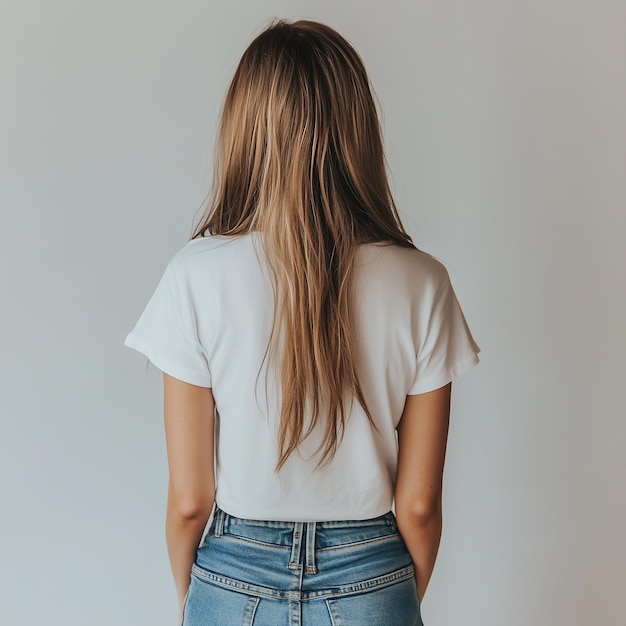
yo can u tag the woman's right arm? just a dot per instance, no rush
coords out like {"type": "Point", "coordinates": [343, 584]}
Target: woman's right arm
{"type": "Point", "coordinates": [422, 439]}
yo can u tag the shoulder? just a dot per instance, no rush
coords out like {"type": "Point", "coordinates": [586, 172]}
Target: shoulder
{"type": "Point", "coordinates": [203, 253]}
{"type": "Point", "coordinates": [210, 244]}
{"type": "Point", "coordinates": [410, 267]}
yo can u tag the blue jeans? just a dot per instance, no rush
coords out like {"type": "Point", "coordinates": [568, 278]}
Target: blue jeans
{"type": "Point", "coordinates": [261, 573]}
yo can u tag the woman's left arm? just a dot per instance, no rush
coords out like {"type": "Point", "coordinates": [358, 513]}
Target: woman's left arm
{"type": "Point", "coordinates": [188, 411]}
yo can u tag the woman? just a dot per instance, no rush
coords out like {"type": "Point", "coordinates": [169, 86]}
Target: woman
{"type": "Point", "coordinates": [307, 349]}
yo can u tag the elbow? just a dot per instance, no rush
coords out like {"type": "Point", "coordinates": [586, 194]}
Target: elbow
{"type": "Point", "coordinates": [194, 511]}
{"type": "Point", "coordinates": [192, 507]}
{"type": "Point", "coordinates": [418, 511]}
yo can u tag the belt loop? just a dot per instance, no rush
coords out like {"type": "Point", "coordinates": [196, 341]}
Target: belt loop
{"type": "Point", "coordinates": [219, 522]}
{"type": "Point", "coordinates": [391, 519]}
{"type": "Point", "coordinates": [294, 559]}
{"type": "Point", "coordinates": [311, 567]}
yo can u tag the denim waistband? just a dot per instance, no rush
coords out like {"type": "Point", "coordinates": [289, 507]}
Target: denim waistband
{"type": "Point", "coordinates": [301, 534]}
{"type": "Point", "coordinates": [223, 519]}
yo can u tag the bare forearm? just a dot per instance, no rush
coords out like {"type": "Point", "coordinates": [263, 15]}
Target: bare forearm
{"type": "Point", "coordinates": [422, 536]}
{"type": "Point", "coordinates": [183, 535]}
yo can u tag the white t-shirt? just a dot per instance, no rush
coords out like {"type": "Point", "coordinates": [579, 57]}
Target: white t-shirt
{"type": "Point", "coordinates": [208, 323]}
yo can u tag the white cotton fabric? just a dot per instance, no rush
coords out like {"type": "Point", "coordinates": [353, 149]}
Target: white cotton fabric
{"type": "Point", "coordinates": [208, 323]}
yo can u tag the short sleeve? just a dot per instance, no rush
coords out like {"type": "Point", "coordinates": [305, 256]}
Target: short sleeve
{"type": "Point", "coordinates": [447, 348]}
{"type": "Point", "coordinates": [166, 332]}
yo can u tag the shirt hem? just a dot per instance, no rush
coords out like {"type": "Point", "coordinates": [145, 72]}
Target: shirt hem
{"type": "Point", "coordinates": [165, 365]}
{"type": "Point", "coordinates": [436, 381]}
{"type": "Point", "coordinates": [274, 516]}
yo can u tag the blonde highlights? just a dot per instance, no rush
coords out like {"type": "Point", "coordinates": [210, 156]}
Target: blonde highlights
{"type": "Point", "coordinates": [299, 158]}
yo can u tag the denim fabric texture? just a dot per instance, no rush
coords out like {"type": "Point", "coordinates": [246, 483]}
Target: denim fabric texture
{"type": "Point", "coordinates": [338, 573]}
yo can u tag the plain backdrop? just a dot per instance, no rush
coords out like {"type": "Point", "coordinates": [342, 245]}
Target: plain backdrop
{"type": "Point", "coordinates": [506, 142]}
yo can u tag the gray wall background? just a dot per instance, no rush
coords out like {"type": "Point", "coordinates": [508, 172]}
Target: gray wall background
{"type": "Point", "coordinates": [505, 135]}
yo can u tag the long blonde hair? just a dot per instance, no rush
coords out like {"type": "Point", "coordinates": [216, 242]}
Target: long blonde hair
{"type": "Point", "coordinates": [299, 158]}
